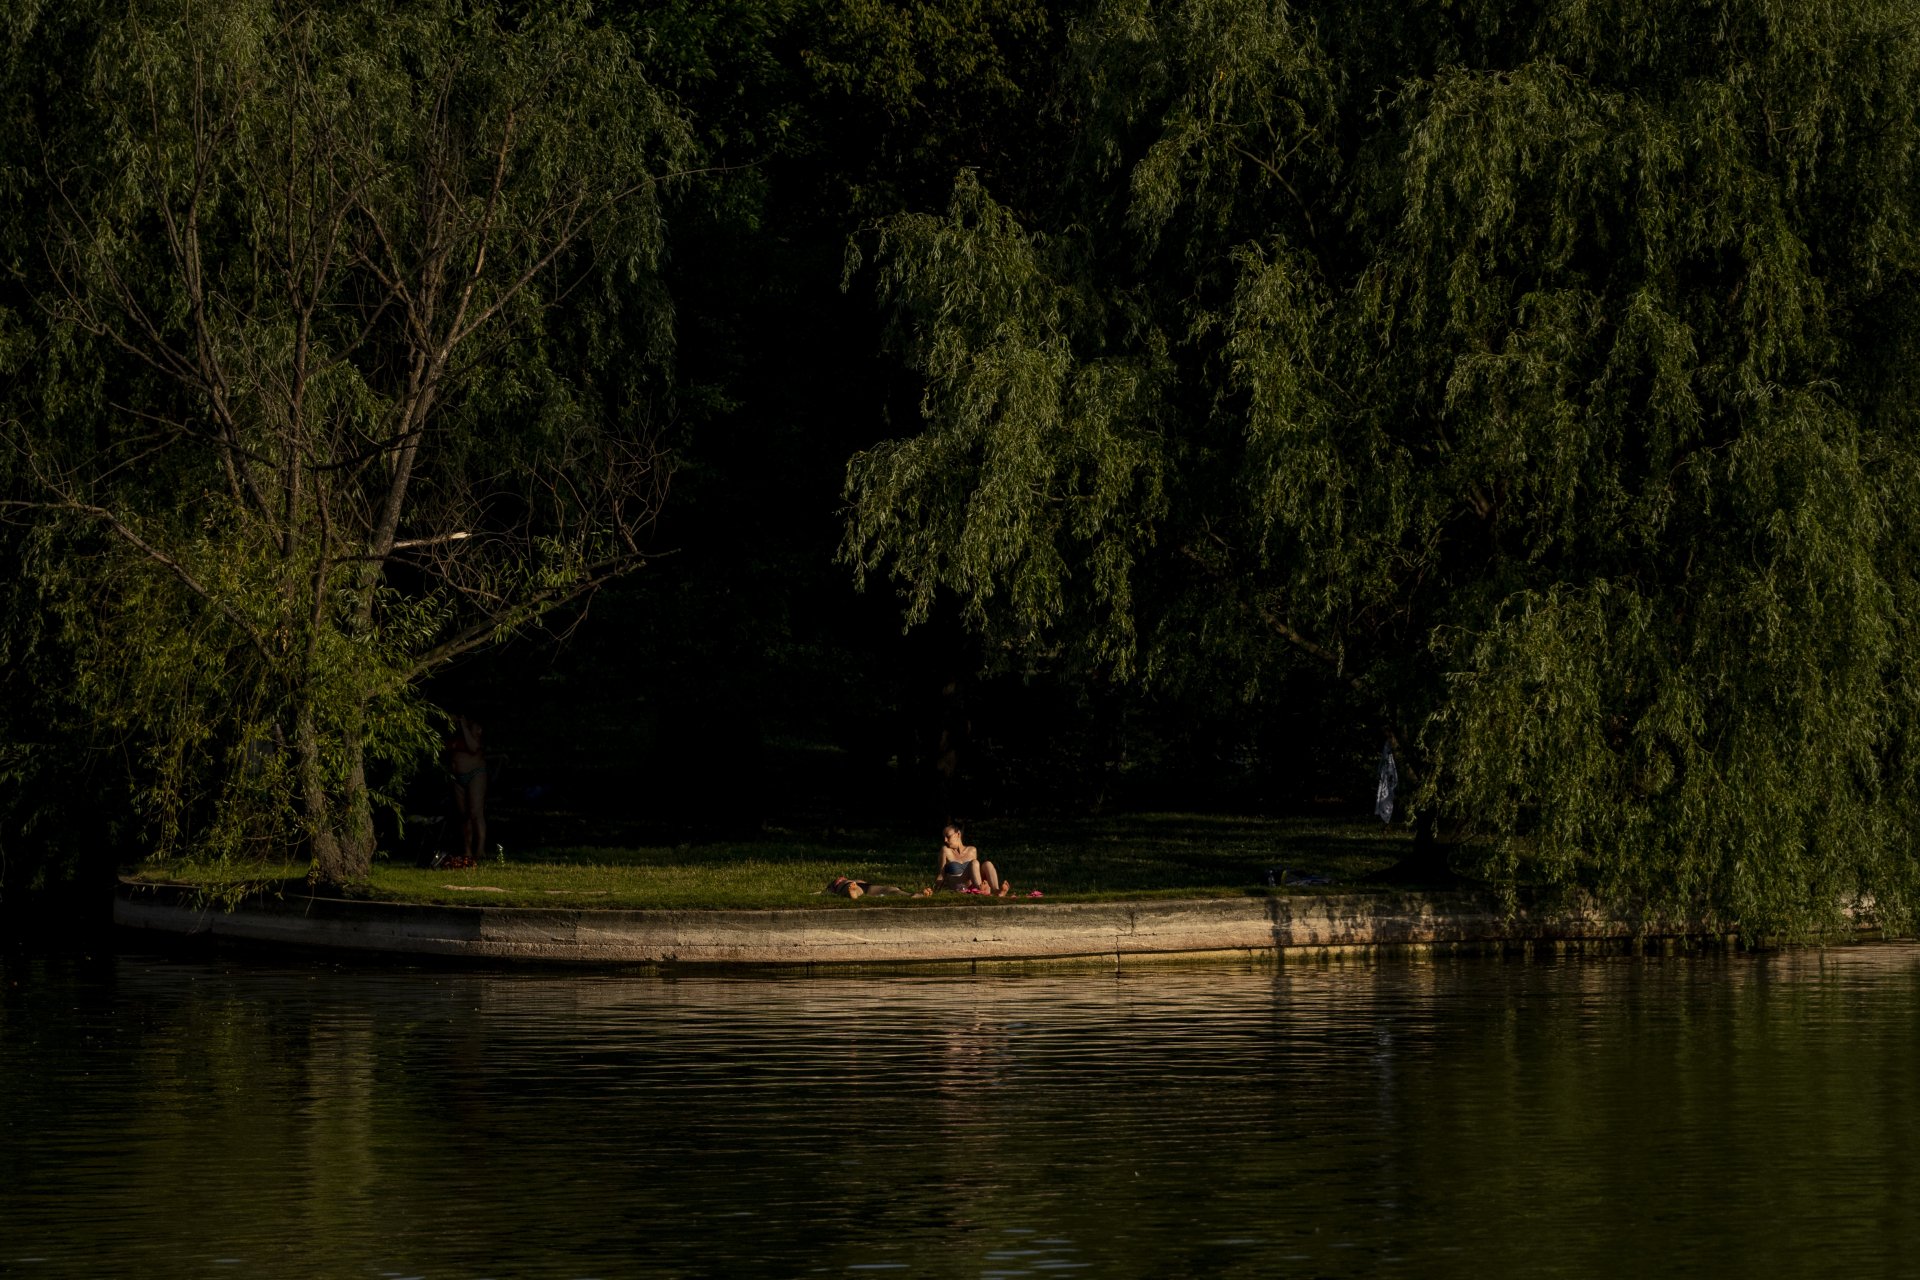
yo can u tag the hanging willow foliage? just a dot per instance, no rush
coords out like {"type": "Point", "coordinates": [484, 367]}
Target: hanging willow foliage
{"type": "Point", "coordinates": [1546, 373]}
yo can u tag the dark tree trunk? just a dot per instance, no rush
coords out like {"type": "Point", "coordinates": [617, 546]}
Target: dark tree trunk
{"type": "Point", "coordinates": [1425, 865]}
{"type": "Point", "coordinates": [341, 828]}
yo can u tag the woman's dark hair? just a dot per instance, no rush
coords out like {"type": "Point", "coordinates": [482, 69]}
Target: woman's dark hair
{"type": "Point", "coordinates": [954, 825]}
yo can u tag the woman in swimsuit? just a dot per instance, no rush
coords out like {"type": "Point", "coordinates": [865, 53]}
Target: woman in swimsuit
{"type": "Point", "coordinates": [961, 867]}
{"type": "Point", "coordinates": [467, 766]}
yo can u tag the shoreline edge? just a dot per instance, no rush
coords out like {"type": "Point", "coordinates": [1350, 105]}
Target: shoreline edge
{"type": "Point", "coordinates": [1094, 932]}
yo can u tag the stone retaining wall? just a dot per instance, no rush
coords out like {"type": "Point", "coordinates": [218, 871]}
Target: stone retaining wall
{"type": "Point", "coordinates": [982, 930]}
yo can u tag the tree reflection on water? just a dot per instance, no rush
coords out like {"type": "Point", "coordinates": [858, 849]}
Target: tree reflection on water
{"type": "Point", "coordinates": [1424, 1117]}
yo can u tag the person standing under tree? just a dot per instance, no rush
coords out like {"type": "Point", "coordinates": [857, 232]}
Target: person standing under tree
{"type": "Point", "coordinates": [467, 767]}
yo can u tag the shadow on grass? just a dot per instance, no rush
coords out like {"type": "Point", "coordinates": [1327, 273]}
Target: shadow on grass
{"type": "Point", "coordinates": [1143, 855]}
{"type": "Point", "coordinates": [1135, 856]}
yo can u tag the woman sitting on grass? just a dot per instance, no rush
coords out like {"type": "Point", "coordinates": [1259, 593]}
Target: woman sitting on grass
{"type": "Point", "coordinates": [962, 871]}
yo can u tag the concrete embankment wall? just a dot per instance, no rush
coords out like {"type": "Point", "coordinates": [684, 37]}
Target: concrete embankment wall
{"type": "Point", "coordinates": [915, 934]}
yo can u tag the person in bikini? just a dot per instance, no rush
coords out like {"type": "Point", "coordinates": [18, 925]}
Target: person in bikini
{"type": "Point", "coordinates": [853, 887]}
{"type": "Point", "coordinates": [961, 868]}
{"type": "Point", "coordinates": [467, 769]}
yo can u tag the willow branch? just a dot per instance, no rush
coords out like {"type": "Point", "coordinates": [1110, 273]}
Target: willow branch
{"type": "Point", "coordinates": [186, 577]}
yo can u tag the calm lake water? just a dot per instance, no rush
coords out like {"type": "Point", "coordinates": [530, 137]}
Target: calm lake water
{"type": "Point", "coordinates": [1704, 1115]}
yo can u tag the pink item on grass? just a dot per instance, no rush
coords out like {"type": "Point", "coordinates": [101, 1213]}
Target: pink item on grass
{"type": "Point", "coordinates": [1036, 894]}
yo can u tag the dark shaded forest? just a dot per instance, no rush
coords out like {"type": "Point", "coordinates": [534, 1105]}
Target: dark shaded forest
{"type": "Point", "coordinates": [814, 415]}
{"type": "Point", "coordinates": [740, 680]}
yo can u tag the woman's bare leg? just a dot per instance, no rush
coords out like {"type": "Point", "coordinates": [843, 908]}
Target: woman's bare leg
{"type": "Point", "coordinates": [466, 817]}
{"type": "Point", "coordinates": [993, 880]}
{"type": "Point", "coordinates": [477, 810]}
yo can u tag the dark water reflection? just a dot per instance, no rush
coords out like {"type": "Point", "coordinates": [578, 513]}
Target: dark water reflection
{"type": "Point", "coordinates": [1726, 1114]}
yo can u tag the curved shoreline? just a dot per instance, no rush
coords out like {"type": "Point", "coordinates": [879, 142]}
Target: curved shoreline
{"type": "Point", "coordinates": [972, 932]}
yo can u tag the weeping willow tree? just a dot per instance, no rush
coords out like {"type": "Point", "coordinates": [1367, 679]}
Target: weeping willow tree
{"type": "Point", "coordinates": [333, 355]}
{"type": "Point", "coordinates": [1547, 375]}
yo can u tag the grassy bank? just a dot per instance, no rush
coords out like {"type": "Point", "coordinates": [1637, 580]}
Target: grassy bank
{"type": "Point", "coordinates": [1135, 856]}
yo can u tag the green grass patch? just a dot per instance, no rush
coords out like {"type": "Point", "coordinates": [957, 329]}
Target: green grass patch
{"type": "Point", "coordinates": [1136, 856]}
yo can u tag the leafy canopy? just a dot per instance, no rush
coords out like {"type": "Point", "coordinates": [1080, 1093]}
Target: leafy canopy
{"type": "Point", "coordinates": [1546, 374]}
{"type": "Point", "coordinates": [339, 355]}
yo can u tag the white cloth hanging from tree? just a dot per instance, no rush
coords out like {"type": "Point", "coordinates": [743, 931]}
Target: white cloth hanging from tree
{"type": "Point", "coordinates": [1389, 784]}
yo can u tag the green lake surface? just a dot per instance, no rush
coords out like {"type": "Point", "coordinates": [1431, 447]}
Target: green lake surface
{"type": "Point", "coordinates": [225, 1115]}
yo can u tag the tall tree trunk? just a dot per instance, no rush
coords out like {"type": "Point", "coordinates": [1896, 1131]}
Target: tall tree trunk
{"type": "Point", "coordinates": [355, 836]}
{"type": "Point", "coordinates": [341, 827]}
{"type": "Point", "coordinates": [329, 860]}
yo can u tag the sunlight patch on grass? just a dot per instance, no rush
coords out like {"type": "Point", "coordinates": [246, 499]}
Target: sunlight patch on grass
{"type": "Point", "coordinates": [1138, 856]}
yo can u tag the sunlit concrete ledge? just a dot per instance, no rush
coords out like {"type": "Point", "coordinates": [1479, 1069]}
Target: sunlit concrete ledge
{"type": "Point", "coordinates": [971, 931]}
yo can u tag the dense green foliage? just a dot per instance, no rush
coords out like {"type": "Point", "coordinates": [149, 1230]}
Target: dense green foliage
{"type": "Point", "coordinates": [1528, 387]}
{"type": "Point", "coordinates": [1546, 372]}
{"type": "Point", "coordinates": [298, 407]}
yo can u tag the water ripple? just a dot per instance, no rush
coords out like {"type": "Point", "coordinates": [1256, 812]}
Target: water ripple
{"type": "Point", "coordinates": [1650, 1116]}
